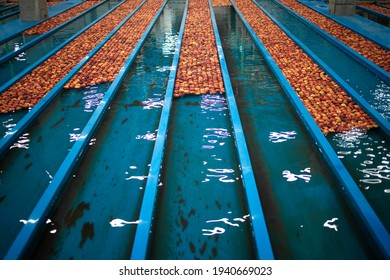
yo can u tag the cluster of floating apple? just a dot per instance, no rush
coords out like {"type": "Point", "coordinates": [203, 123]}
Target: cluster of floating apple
{"type": "Point", "coordinates": [107, 62]}
{"type": "Point", "coordinates": [366, 48]}
{"type": "Point", "coordinates": [332, 109]}
{"type": "Point", "coordinates": [55, 21]}
{"type": "Point", "coordinates": [35, 85]}
{"type": "Point", "coordinates": [221, 3]}
{"type": "Point", "coordinates": [199, 70]}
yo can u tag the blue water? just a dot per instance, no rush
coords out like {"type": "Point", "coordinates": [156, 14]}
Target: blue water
{"type": "Point", "coordinates": [5, 10]}
{"type": "Point", "coordinates": [20, 62]}
{"type": "Point", "coordinates": [200, 210]}
{"type": "Point", "coordinates": [105, 194]}
{"type": "Point", "coordinates": [306, 216]}
{"type": "Point", "coordinates": [8, 18]}
{"type": "Point", "coordinates": [372, 88]}
{"type": "Point", "coordinates": [366, 154]}
{"type": "Point", "coordinates": [31, 162]}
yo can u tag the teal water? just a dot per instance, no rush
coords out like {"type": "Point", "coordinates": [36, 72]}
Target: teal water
{"type": "Point", "coordinates": [8, 18]}
{"type": "Point", "coordinates": [28, 167]}
{"type": "Point", "coordinates": [366, 154]}
{"type": "Point", "coordinates": [200, 209]}
{"type": "Point", "coordinates": [97, 216]}
{"type": "Point", "coordinates": [20, 62]}
{"type": "Point", "coordinates": [305, 213]}
{"type": "Point", "coordinates": [374, 89]}
{"type": "Point", "coordinates": [5, 10]}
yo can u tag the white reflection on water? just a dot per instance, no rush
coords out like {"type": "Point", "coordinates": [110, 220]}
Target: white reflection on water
{"type": "Point", "coordinates": [22, 143]}
{"type": "Point", "coordinates": [371, 155]}
{"type": "Point", "coordinates": [92, 98]}
{"type": "Point", "coordinates": [291, 177]}
{"type": "Point", "coordinates": [169, 45]}
{"type": "Point", "coordinates": [278, 137]}
{"type": "Point", "coordinates": [22, 55]}
{"type": "Point", "coordinates": [153, 103]}
{"type": "Point", "coordinates": [29, 221]}
{"type": "Point", "coordinates": [122, 223]}
{"type": "Point", "coordinates": [226, 221]}
{"type": "Point", "coordinates": [221, 174]}
{"type": "Point", "coordinates": [330, 224]}
{"type": "Point", "coordinates": [213, 102]}
{"type": "Point", "coordinates": [9, 124]}
{"type": "Point", "coordinates": [150, 136]}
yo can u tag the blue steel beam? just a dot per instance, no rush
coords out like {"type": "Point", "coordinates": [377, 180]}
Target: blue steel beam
{"type": "Point", "coordinates": [33, 114]}
{"type": "Point", "coordinates": [142, 234]}
{"type": "Point", "coordinates": [260, 231]}
{"type": "Point", "coordinates": [347, 50]}
{"type": "Point", "coordinates": [55, 50]}
{"type": "Point", "coordinates": [340, 21]}
{"type": "Point", "coordinates": [22, 25]}
{"type": "Point", "coordinates": [383, 123]}
{"type": "Point", "coordinates": [350, 190]}
{"type": "Point", "coordinates": [44, 205]}
{"type": "Point", "coordinates": [31, 43]}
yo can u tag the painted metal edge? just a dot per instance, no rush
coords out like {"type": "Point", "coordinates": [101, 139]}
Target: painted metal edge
{"type": "Point", "coordinates": [9, 8]}
{"type": "Point", "coordinates": [31, 116]}
{"type": "Point", "coordinates": [341, 23]}
{"type": "Point", "coordinates": [142, 234]}
{"type": "Point", "coordinates": [260, 232]}
{"type": "Point", "coordinates": [350, 190]}
{"type": "Point", "coordinates": [49, 54]}
{"type": "Point", "coordinates": [59, 180]}
{"type": "Point", "coordinates": [9, 15]}
{"type": "Point", "coordinates": [2, 41]}
{"type": "Point", "coordinates": [343, 47]}
{"type": "Point", "coordinates": [11, 55]}
{"type": "Point", "coordinates": [373, 12]}
{"type": "Point", "coordinates": [372, 112]}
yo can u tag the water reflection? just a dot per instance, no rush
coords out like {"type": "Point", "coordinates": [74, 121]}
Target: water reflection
{"type": "Point", "coordinates": [122, 223]}
{"type": "Point", "coordinates": [330, 224]}
{"type": "Point", "coordinates": [370, 155]}
{"type": "Point", "coordinates": [226, 221]}
{"type": "Point", "coordinates": [278, 137]}
{"type": "Point", "coordinates": [23, 142]}
{"type": "Point", "coordinates": [92, 98]}
{"type": "Point", "coordinates": [291, 177]}
{"type": "Point", "coordinates": [382, 99]}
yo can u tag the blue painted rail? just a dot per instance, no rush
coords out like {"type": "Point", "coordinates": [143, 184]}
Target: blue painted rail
{"type": "Point", "coordinates": [13, 54]}
{"type": "Point", "coordinates": [260, 231]}
{"type": "Point", "coordinates": [373, 12]}
{"type": "Point", "coordinates": [350, 23]}
{"type": "Point", "coordinates": [32, 115]}
{"type": "Point", "coordinates": [350, 190]}
{"type": "Point", "coordinates": [55, 50]}
{"type": "Point", "coordinates": [383, 123]}
{"type": "Point", "coordinates": [13, 29]}
{"type": "Point", "coordinates": [347, 50]}
{"type": "Point", "coordinates": [43, 207]}
{"type": "Point", "coordinates": [6, 18]}
{"type": "Point", "coordinates": [142, 235]}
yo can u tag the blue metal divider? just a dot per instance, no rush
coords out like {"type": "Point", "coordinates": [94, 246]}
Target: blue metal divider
{"type": "Point", "coordinates": [347, 50]}
{"type": "Point", "coordinates": [260, 231]}
{"type": "Point", "coordinates": [31, 116]}
{"type": "Point", "coordinates": [335, 19]}
{"type": "Point", "coordinates": [11, 55]}
{"type": "Point", "coordinates": [374, 114]}
{"type": "Point", "coordinates": [33, 23]}
{"type": "Point", "coordinates": [40, 61]}
{"type": "Point", "coordinates": [43, 207]}
{"type": "Point", "coordinates": [361, 207]}
{"type": "Point", "coordinates": [142, 234]}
